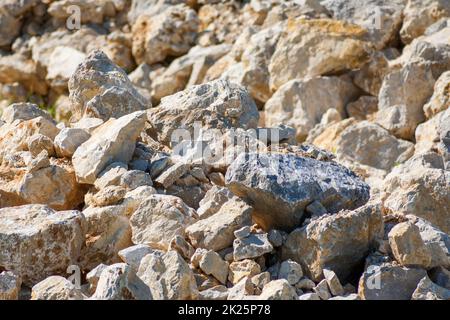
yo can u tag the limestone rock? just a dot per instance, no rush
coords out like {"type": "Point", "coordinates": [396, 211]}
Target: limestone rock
{"type": "Point", "coordinates": [9, 286]}
{"type": "Point", "coordinates": [316, 47]}
{"type": "Point", "coordinates": [216, 232]}
{"type": "Point", "coordinates": [212, 264]}
{"type": "Point", "coordinates": [171, 33]}
{"type": "Point", "coordinates": [168, 277]}
{"type": "Point", "coordinates": [56, 288]}
{"type": "Point", "coordinates": [134, 254]}
{"type": "Point", "coordinates": [441, 96]}
{"type": "Point", "coordinates": [242, 269]}
{"type": "Point", "coordinates": [24, 111]}
{"type": "Point", "coordinates": [280, 197]}
{"type": "Point", "coordinates": [291, 271]}
{"type": "Point", "coordinates": [218, 104]}
{"type": "Point", "coordinates": [158, 219]}
{"type": "Point", "coordinates": [322, 290]}
{"type": "Point", "coordinates": [100, 89]}
{"type": "Point", "coordinates": [120, 282]}
{"type": "Point", "coordinates": [321, 245]}
{"type": "Point", "coordinates": [36, 235]}
{"type": "Point", "coordinates": [253, 246]}
{"type": "Point", "coordinates": [114, 141]}
{"type": "Point", "coordinates": [333, 282]}
{"type": "Point", "coordinates": [427, 290]}
{"type": "Point", "coordinates": [68, 140]}
{"type": "Point", "coordinates": [278, 290]}
{"type": "Point", "coordinates": [301, 103]}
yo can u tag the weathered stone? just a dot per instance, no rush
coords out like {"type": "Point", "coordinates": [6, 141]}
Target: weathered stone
{"type": "Point", "coordinates": [217, 104]}
{"type": "Point", "coordinates": [94, 275]}
{"type": "Point", "coordinates": [216, 232]}
{"type": "Point", "coordinates": [114, 141]}
{"type": "Point", "coordinates": [120, 282]}
{"type": "Point", "coordinates": [38, 143]}
{"type": "Point", "coordinates": [56, 288]}
{"type": "Point", "coordinates": [337, 242]}
{"type": "Point", "coordinates": [441, 96]}
{"type": "Point", "coordinates": [334, 284]}
{"type": "Point", "coordinates": [322, 290]}
{"type": "Point", "coordinates": [68, 140]}
{"type": "Point", "coordinates": [35, 235]}
{"type": "Point", "coordinates": [214, 293]}
{"type": "Point", "coordinates": [427, 290]}
{"type": "Point", "coordinates": [408, 247]}
{"type": "Point", "coordinates": [241, 290]}
{"type": "Point", "coordinates": [253, 246]}
{"type": "Point", "coordinates": [389, 282]}
{"type": "Point", "coordinates": [278, 290]}
{"type": "Point", "coordinates": [301, 103]}
{"type": "Point", "coordinates": [9, 286]}
{"type": "Point", "coordinates": [24, 111]}
{"type": "Point", "coordinates": [316, 47]}
{"type": "Point", "coordinates": [100, 89]}
{"type": "Point", "coordinates": [242, 269]}
{"type": "Point", "coordinates": [309, 296]}
{"type": "Point", "coordinates": [158, 219]}
{"type": "Point", "coordinates": [363, 108]}
{"type": "Point", "coordinates": [63, 62]}
{"type": "Point", "coordinates": [168, 277]}
{"type": "Point", "coordinates": [276, 238]}
{"type": "Point", "coordinates": [93, 11]}
{"type": "Point", "coordinates": [212, 264]}
{"type": "Point", "coordinates": [134, 254]}
{"type": "Point", "coordinates": [183, 247]}
{"type": "Point", "coordinates": [291, 271]}
{"type": "Point", "coordinates": [172, 174]}
{"type": "Point", "coordinates": [171, 33]}
{"type": "Point", "coordinates": [243, 232]}
{"type": "Point", "coordinates": [280, 197]}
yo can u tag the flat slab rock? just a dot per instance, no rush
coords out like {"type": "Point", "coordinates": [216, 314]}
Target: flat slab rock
{"type": "Point", "coordinates": [280, 187]}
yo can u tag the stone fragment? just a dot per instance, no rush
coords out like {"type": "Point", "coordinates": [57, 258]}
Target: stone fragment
{"type": "Point", "coordinates": [212, 264]}
{"type": "Point", "coordinates": [56, 288]}
{"type": "Point", "coordinates": [68, 140]}
{"type": "Point", "coordinates": [334, 284]}
{"type": "Point", "coordinates": [322, 290]}
{"type": "Point", "coordinates": [242, 269]}
{"type": "Point", "coordinates": [9, 286]}
{"type": "Point", "coordinates": [252, 246]}
{"type": "Point", "coordinates": [278, 290]}
{"type": "Point", "coordinates": [427, 290]}
{"type": "Point", "coordinates": [291, 271]}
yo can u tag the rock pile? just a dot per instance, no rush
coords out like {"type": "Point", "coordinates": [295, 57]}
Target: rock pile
{"type": "Point", "coordinates": [213, 150]}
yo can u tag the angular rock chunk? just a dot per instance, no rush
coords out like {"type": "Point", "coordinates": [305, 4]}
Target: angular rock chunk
{"type": "Point", "coordinates": [134, 254]}
{"type": "Point", "coordinates": [120, 282]}
{"type": "Point", "coordinates": [217, 104]}
{"type": "Point", "coordinates": [253, 246]}
{"type": "Point", "coordinates": [316, 47]}
{"type": "Point", "coordinates": [114, 141]}
{"type": "Point", "coordinates": [301, 103]}
{"type": "Point", "coordinates": [168, 277]}
{"type": "Point", "coordinates": [427, 290]}
{"type": "Point", "coordinates": [56, 288]}
{"type": "Point", "coordinates": [158, 219]}
{"type": "Point", "coordinates": [242, 269]}
{"type": "Point", "coordinates": [291, 271]}
{"type": "Point", "coordinates": [24, 111]}
{"type": "Point", "coordinates": [280, 186]}
{"type": "Point", "coordinates": [440, 100]}
{"type": "Point", "coordinates": [217, 231]}
{"type": "Point", "coordinates": [212, 264]}
{"type": "Point", "coordinates": [278, 290]}
{"type": "Point", "coordinates": [68, 140]}
{"type": "Point", "coordinates": [37, 236]}
{"type": "Point", "coordinates": [336, 242]}
{"type": "Point", "coordinates": [9, 286]}
{"type": "Point", "coordinates": [100, 89]}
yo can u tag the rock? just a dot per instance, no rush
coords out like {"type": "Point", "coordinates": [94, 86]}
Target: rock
{"type": "Point", "coordinates": [100, 89]}
{"type": "Point", "coordinates": [172, 174]}
{"type": "Point", "coordinates": [362, 108]}
{"type": "Point", "coordinates": [94, 275]}
{"type": "Point", "coordinates": [171, 33]}
{"type": "Point", "coordinates": [305, 284]}
{"type": "Point", "coordinates": [63, 62]}
{"type": "Point", "coordinates": [408, 247]}
{"type": "Point", "coordinates": [276, 238]}
{"type": "Point", "coordinates": [370, 145]}
{"type": "Point", "coordinates": [114, 141]}
{"type": "Point", "coordinates": [280, 197]}
{"type": "Point", "coordinates": [242, 233]}
{"type": "Point", "coordinates": [168, 277]}
{"type": "Point", "coordinates": [427, 290]}
{"type": "Point", "coordinates": [389, 282]}
{"type": "Point", "coordinates": [291, 271]}
{"type": "Point", "coordinates": [428, 134]}
{"type": "Point", "coordinates": [241, 290]}
{"type": "Point", "coordinates": [120, 282]}
{"type": "Point", "coordinates": [36, 235]}
{"type": "Point", "coordinates": [134, 254]}
{"type": "Point", "coordinates": [217, 104]}
{"type": "Point", "coordinates": [428, 184]}
{"type": "Point", "coordinates": [301, 103]}
{"type": "Point", "coordinates": [352, 296]}
{"type": "Point", "coordinates": [419, 15]}
{"type": "Point", "coordinates": [322, 245]}
{"type": "Point", "coordinates": [24, 111]}
{"type": "Point", "coordinates": [260, 280]}
{"type": "Point", "coordinates": [158, 219]}
{"type": "Point", "coordinates": [441, 277]}
{"type": "Point", "coordinates": [333, 282]}
{"type": "Point", "coordinates": [38, 143]}
{"type": "Point", "coordinates": [87, 124]}
{"type": "Point", "coordinates": [56, 288]}
{"type": "Point", "coordinates": [253, 246]}
{"type": "Point", "coordinates": [217, 231]}
{"type": "Point", "coordinates": [93, 11]}
{"type": "Point", "coordinates": [441, 97]}
{"type": "Point", "coordinates": [68, 140]}
{"type": "Point", "coordinates": [183, 247]}
{"type": "Point", "coordinates": [215, 293]}
{"type": "Point", "coordinates": [9, 286]}
{"type": "Point", "coordinates": [308, 56]}
{"type": "Point", "coordinates": [242, 269]}
{"type": "Point", "coordinates": [278, 290]}
{"type": "Point", "coordinates": [322, 290]}
{"type": "Point", "coordinates": [212, 264]}
{"type": "Point", "coordinates": [309, 296]}
{"type": "Point", "coordinates": [381, 18]}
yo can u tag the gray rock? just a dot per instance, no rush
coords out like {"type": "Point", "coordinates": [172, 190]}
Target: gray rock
{"type": "Point", "coordinates": [280, 186]}
{"type": "Point", "coordinates": [24, 111]}
{"type": "Point", "coordinates": [291, 271]}
{"type": "Point", "coordinates": [134, 254]}
{"type": "Point", "coordinates": [9, 286]}
{"type": "Point", "coordinates": [322, 290]}
{"type": "Point", "coordinates": [68, 140]}
{"type": "Point", "coordinates": [334, 284]}
{"type": "Point", "coordinates": [252, 246]}
{"type": "Point", "coordinates": [56, 288]}
{"type": "Point", "coordinates": [427, 290]}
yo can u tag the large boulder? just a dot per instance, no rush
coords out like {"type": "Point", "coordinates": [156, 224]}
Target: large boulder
{"type": "Point", "coordinates": [337, 242]}
{"type": "Point", "coordinates": [37, 242]}
{"type": "Point", "coordinates": [114, 141]}
{"type": "Point", "coordinates": [280, 187]}
{"type": "Point", "coordinates": [100, 89]}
